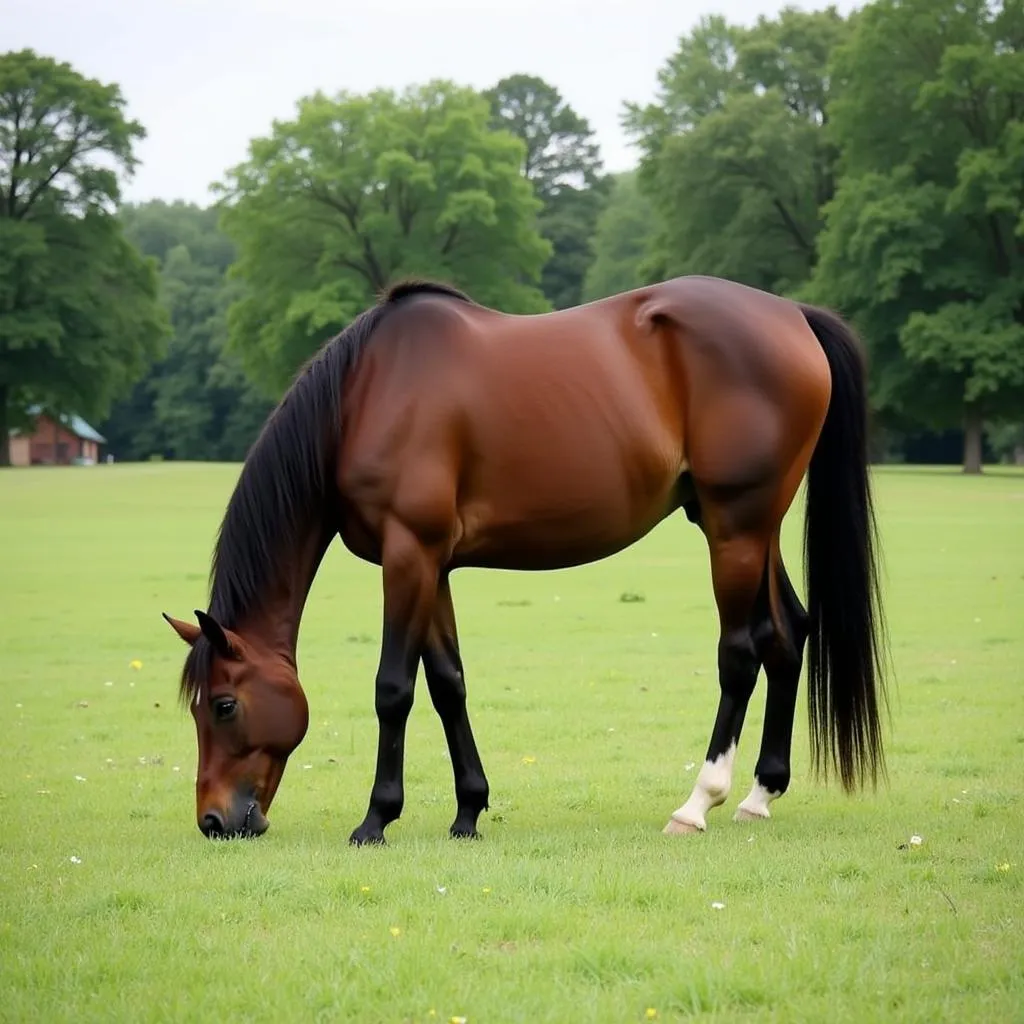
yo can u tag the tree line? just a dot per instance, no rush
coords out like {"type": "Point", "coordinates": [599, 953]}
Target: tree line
{"type": "Point", "coordinates": [873, 163]}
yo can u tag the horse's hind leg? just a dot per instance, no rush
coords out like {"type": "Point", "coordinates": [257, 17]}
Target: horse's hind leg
{"type": "Point", "coordinates": [738, 563]}
{"type": "Point", "coordinates": [442, 665]}
{"type": "Point", "coordinates": [781, 651]}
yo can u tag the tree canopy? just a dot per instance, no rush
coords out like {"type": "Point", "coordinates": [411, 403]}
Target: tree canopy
{"type": "Point", "coordinates": [924, 240]}
{"type": "Point", "coordinates": [357, 191]}
{"type": "Point", "coordinates": [622, 237]}
{"type": "Point", "coordinates": [79, 315]}
{"type": "Point", "coordinates": [196, 403]}
{"type": "Point", "coordinates": [734, 157]}
{"type": "Point", "coordinates": [562, 161]}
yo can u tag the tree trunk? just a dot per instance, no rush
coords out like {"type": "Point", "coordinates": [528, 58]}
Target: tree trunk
{"type": "Point", "coordinates": [973, 424]}
{"type": "Point", "coordinates": [5, 448]}
{"type": "Point", "coordinates": [1018, 455]}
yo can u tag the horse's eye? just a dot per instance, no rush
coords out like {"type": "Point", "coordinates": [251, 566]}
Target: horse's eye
{"type": "Point", "coordinates": [224, 709]}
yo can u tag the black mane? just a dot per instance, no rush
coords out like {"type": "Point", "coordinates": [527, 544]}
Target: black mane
{"type": "Point", "coordinates": [285, 480]}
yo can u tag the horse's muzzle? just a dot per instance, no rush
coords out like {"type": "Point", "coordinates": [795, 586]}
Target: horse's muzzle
{"type": "Point", "coordinates": [245, 820]}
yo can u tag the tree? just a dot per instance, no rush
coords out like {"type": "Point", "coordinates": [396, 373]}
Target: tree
{"type": "Point", "coordinates": [621, 240]}
{"type": "Point", "coordinates": [924, 241]}
{"type": "Point", "coordinates": [562, 161]}
{"type": "Point", "coordinates": [357, 191]}
{"type": "Point", "coordinates": [734, 156]}
{"type": "Point", "coordinates": [156, 227]}
{"type": "Point", "coordinates": [79, 316]}
{"type": "Point", "coordinates": [195, 403]}
{"type": "Point", "coordinates": [559, 149]}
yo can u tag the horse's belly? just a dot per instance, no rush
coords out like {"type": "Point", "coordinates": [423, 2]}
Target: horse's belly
{"type": "Point", "coordinates": [524, 547]}
{"type": "Point", "coordinates": [556, 513]}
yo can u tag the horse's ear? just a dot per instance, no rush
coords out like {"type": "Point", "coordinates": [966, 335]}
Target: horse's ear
{"type": "Point", "coordinates": [186, 630]}
{"type": "Point", "coordinates": [214, 632]}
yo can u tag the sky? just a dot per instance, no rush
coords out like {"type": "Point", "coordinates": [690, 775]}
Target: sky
{"type": "Point", "coordinates": [205, 78]}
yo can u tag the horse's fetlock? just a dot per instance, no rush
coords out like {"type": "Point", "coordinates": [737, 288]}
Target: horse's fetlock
{"type": "Point", "coordinates": [774, 776]}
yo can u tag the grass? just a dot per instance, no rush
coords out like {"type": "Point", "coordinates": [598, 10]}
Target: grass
{"type": "Point", "coordinates": [592, 693]}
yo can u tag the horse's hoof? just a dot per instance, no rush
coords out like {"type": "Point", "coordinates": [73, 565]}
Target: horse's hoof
{"type": "Point", "coordinates": [681, 828]}
{"type": "Point", "coordinates": [365, 837]}
{"type": "Point", "coordinates": [744, 814]}
{"type": "Point", "coordinates": [464, 833]}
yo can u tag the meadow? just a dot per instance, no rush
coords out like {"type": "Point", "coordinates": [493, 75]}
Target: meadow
{"type": "Point", "coordinates": [592, 693]}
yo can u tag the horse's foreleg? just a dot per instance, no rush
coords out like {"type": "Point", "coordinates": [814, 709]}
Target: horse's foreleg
{"type": "Point", "coordinates": [738, 573]}
{"type": "Point", "coordinates": [782, 656]}
{"type": "Point", "coordinates": [410, 577]}
{"type": "Point", "coordinates": [442, 665]}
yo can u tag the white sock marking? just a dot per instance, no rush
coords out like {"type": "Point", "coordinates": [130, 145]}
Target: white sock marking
{"type": "Point", "coordinates": [755, 805]}
{"type": "Point", "coordinates": [710, 790]}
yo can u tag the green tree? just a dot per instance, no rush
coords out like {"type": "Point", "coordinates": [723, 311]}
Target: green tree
{"type": "Point", "coordinates": [563, 163]}
{"type": "Point", "coordinates": [560, 151]}
{"type": "Point", "coordinates": [359, 190]}
{"type": "Point", "coordinates": [621, 240]}
{"type": "Point", "coordinates": [79, 314]}
{"type": "Point", "coordinates": [156, 227]}
{"type": "Point", "coordinates": [924, 243]}
{"type": "Point", "coordinates": [734, 156]}
{"type": "Point", "coordinates": [195, 403]}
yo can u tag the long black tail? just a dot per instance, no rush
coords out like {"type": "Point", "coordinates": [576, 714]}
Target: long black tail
{"type": "Point", "coordinates": [844, 666]}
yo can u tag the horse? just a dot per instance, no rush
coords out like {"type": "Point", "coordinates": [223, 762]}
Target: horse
{"type": "Point", "coordinates": [435, 433]}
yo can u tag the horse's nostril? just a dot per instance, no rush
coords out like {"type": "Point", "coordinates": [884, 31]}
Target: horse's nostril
{"type": "Point", "coordinates": [212, 824]}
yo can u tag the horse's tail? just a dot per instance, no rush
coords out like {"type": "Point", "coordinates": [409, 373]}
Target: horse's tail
{"type": "Point", "coordinates": [844, 670]}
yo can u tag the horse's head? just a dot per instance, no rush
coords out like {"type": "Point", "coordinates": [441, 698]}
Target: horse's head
{"type": "Point", "coordinates": [250, 714]}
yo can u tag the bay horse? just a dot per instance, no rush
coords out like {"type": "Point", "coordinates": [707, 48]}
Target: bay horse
{"type": "Point", "coordinates": [434, 433]}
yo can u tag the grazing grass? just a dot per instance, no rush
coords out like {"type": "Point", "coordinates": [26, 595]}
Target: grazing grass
{"type": "Point", "coordinates": [592, 693]}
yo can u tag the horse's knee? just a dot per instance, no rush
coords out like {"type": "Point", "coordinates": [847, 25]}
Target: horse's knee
{"type": "Point", "coordinates": [447, 686]}
{"type": "Point", "coordinates": [393, 697]}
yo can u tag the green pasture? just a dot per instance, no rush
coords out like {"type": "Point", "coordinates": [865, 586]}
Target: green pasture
{"type": "Point", "coordinates": [592, 714]}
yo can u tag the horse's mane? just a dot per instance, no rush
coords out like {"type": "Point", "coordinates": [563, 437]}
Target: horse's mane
{"type": "Point", "coordinates": [284, 483]}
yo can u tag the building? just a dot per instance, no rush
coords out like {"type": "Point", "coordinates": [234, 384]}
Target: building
{"type": "Point", "coordinates": [65, 441]}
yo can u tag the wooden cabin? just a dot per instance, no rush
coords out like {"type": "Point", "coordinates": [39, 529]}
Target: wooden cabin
{"type": "Point", "coordinates": [63, 441]}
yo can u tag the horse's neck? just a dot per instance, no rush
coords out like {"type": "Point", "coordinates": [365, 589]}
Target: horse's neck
{"type": "Point", "coordinates": [276, 620]}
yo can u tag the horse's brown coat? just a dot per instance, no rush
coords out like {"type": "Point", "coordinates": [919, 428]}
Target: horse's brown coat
{"type": "Point", "coordinates": [467, 437]}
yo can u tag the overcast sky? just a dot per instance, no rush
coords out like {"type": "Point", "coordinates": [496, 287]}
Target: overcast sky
{"type": "Point", "coordinates": [205, 77]}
